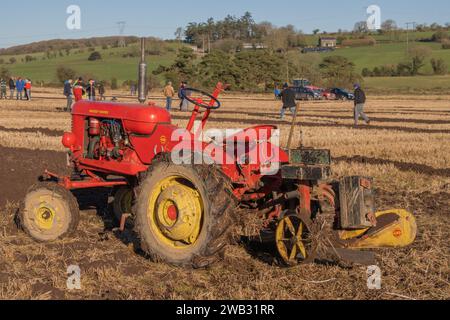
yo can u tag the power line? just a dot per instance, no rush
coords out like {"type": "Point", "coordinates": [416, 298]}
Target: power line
{"type": "Point", "coordinates": [413, 24]}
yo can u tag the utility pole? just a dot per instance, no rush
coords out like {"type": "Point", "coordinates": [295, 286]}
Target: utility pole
{"type": "Point", "coordinates": [413, 24]}
{"type": "Point", "coordinates": [121, 25]}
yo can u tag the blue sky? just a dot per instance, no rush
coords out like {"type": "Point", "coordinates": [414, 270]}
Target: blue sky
{"type": "Point", "coordinates": [40, 20]}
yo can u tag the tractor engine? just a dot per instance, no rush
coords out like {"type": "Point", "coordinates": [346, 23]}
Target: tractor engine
{"type": "Point", "coordinates": [107, 139]}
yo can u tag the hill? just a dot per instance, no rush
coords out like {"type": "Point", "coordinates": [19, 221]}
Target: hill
{"type": "Point", "coordinates": [120, 63]}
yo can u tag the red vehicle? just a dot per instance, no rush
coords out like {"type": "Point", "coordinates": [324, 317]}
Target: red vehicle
{"type": "Point", "coordinates": [328, 95]}
{"type": "Point", "coordinates": [184, 213]}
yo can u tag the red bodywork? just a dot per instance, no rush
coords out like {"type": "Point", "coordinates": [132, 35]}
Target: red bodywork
{"type": "Point", "coordinates": [146, 132]}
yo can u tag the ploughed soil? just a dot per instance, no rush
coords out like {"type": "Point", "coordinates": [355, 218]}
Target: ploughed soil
{"type": "Point", "coordinates": [21, 168]}
{"type": "Point", "coordinates": [45, 131]}
{"type": "Point", "coordinates": [112, 267]}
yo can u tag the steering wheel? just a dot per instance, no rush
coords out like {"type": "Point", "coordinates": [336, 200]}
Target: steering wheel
{"type": "Point", "coordinates": [199, 101]}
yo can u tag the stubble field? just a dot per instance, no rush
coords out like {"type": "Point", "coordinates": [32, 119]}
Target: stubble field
{"type": "Point", "coordinates": [406, 149]}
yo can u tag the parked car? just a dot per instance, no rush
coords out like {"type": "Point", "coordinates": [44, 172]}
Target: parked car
{"type": "Point", "coordinates": [303, 93]}
{"type": "Point", "coordinates": [301, 83]}
{"type": "Point", "coordinates": [342, 94]}
{"type": "Point", "coordinates": [328, 95]}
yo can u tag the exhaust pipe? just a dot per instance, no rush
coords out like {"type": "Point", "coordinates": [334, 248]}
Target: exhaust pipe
{"type": "Point", "coordinates": [142, 86]}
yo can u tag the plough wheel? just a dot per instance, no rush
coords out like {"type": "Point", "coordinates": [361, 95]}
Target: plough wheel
{"type": "Point", "coordinates": [292, 242]}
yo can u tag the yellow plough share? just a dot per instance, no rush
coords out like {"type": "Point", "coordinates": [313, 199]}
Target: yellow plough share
{"type": "Point", "coordinates": [395, 229]}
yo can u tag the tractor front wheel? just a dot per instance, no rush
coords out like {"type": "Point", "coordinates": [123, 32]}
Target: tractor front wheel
{"type": "Point", "coordinates": [183, 214]}
{"type": "Point", "coordinates": [49, 212]}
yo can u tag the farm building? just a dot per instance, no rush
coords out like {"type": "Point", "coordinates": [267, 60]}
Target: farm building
{"type": "Point", "coordinates": [327, 42]}
{"type": "Point", "coordinates": [256, 46]}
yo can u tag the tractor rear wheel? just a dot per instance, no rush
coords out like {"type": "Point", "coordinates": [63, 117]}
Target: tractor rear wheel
{"type": "Point", "coordinates": [183, 214]}
{"type": "Point", "coordinates": [49, 212]}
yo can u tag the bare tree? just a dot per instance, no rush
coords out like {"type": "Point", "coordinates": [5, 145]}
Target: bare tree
{"type": "Point", "coordinates": [389, 25]}
{"type": "Point", "coordinates": [361, 27]}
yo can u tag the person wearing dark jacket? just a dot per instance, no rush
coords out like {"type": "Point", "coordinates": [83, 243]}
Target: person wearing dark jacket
{"type": "Point", "coordinates": [3, 89]}
{"type": "Point", "coordinates": [91, 90]}
{"type": "Point", "coordinates": [68, 93]}
{"type": "Point", "coordinates": [101, 91]}
{"type": "Point", "coordinates": [360, 100]}
{"type": "Point", "coordinates": [12, 88]}
{"type": "Point", "coordinates": [288, 99]}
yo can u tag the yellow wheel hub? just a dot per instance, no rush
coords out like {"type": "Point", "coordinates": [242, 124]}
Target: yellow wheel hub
{"type": "Point", "coordinates": [176, 212]}
{"type": "Point", "coordinates": [45, 217]}
{"type": "Point", "coordinates": [290, 240]}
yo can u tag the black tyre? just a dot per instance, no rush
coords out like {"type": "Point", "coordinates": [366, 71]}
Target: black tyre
{"type": "Point", "coordinates": [49, 212]}
{"type": "Point", "coordinates": [184, 214]}
{"type": "Point", "coordinates": [123, 203]}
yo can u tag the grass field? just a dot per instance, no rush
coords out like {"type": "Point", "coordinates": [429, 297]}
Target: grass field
{"type": "Point", "coordinates": [111, 65]}
{"type": "Point", "coordinates": [406, 150]}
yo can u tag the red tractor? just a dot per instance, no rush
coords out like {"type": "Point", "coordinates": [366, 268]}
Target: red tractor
{"type": "Point", "coordinates": [183, 214]}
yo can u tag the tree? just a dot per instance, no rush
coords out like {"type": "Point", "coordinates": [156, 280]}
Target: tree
{"type": "Point", "coordinates": [179, 33]}
{"type": "Point", "coordinates": [439, 66]}
{"type": "Point", "coordinates": [12, 60]}
{"type": "Point", "coordinates": [416, 58]}
{"type": "Point", "coordinates": [339, 71]}
{"type": "Point", "coordinates": [361, 27]}
{"type": "Point", "coordinates": [114, 85]}
{"type": "Point", "coordinates": [95, 56]}
{"type": "Point", "coordinates": [218, 66]}
{"type": "Point", "coordinates": [183, 67]}
{"type": "Point", "coordinates": [64, 73]}
{"type": "Point", "coordinates": [316, 31]}
{"type": "Point", "coordinates": [4, 73]}
{"type": "Point", "coordinates": [389, 25]}
{"type": "Point", "coordinates": [440, 36]}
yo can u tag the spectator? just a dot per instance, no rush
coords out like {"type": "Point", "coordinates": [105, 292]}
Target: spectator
{"type": "Point", "coordinates": [12, 88]}
{"type": "Point", "coordinates": [169, 93]}
{"type": "Point", "coordinates": [28, 89]}
{"type": "Point", "coordinates": [184, 104]}
{"type": "Point", "coordinates": [91, 90]}
{"type": "Point", "coordinates": [78, 90]}
{"type": "Point", "coordinates": [133, 89]}
{"type": "Point", "coordinates": [2, 88]}
{"type": "Point", "coordinates": [20, 85]}
{"type": "Point", "coordinates": [277, 93]}
{"type": "Point", "coordinates": [101, 91]}
{"type": "Point", "coordinates": [68, 93]}
{"type": "Point", "coordinates": [288, 99]}
{"type": "Point", "coordinates": [360, 100]}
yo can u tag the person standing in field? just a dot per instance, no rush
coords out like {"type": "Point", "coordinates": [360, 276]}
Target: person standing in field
{"type": "Point", "coordinates": [78, 90]}
{"type": "Point", "coordinates": [91, 90]}
{"type": "Point", "coordinates": [277, 93]}
{"type": "Point", "coordinates": [68, 94]}
{"type": "Point", "coordinates": [288, 99]}
{"type": "Point", "coordinates": [12, 88]}
{"type": "Point", "coordinates": [28, 89]}
{"type": "Point", "coordinates": [2, 89]}
{"type": "Point", "coordinates": [360, 100]}
{"type": "Point", "coordinates": [20, 85]}
{"type": "Point", "coordinates": [133, 89]}
{"type": "Point", "coordinates": [101, 91]}
{"type": "Point", "coordinates": [169, 93]}
{"type": "Point", "coordinates": [182, 92]}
